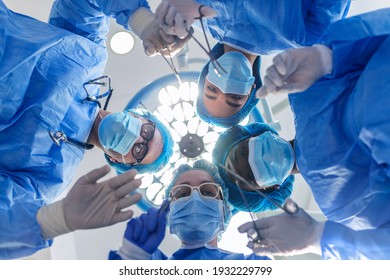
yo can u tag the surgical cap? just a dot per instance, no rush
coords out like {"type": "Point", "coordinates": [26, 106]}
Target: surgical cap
{"type": "Point", "coordinates": [238, 117]}
{"type": "Point", "coordinates": [213, 171]}
{"type": "Point", "coordinates": [166, 152]}
{"type": "Point", "coordinates": [255, 202]}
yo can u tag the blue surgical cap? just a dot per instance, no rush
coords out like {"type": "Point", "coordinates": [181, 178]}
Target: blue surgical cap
{"type": "Point", "coordinates": [238, 117]}
{"type": "Point", "coordinates": [166, 152]}
{"type": "Point", "coordinates": [213, 171]}
{"type": "Point", "coordinates": [255, 202]}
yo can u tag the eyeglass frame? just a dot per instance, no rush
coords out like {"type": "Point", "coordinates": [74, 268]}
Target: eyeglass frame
{"type": "Point", "coordinates": [218, 186]}
{"type": "Point", "coordinates": [144, 143]}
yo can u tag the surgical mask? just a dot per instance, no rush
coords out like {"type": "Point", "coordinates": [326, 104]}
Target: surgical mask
{"type": "Point", "coordinates": [196, 220]}
{"type": "Point", "coordinates": [119, 131]}
{"type": "Point", "coordinates": [238, 77]}
{"type": "Point", "coordinates": [271, 159]}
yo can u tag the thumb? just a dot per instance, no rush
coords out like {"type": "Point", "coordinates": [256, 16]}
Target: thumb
{"type": "Point", "coordinates": [149, 48]}
{"type": "Point", "coordinates": [207, 11]}
{"type": "Point", "coordinates": [261, 92]}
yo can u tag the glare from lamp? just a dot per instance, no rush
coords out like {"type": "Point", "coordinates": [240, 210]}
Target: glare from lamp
{"type": "Point", "coordinates": [122, 42]}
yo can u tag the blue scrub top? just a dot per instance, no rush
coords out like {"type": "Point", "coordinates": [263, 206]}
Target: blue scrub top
{"type": "Point", "coordinates": [263, 27]}
{"type": "Point", "coordinates": [42, 71]}
{"type": "Point", "coordinates": [343, 138]}
{"type": "Point", "coordinates": [201, 253]}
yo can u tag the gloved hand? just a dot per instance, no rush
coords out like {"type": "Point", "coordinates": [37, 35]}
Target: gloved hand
{"type": "Point", "coordinates": [285, 234]}
{"type": "Point", "coordinates": [177, 16]}
{"type": "Point", "coordinates": [154, 39]}
{"type": "Point", "coordinates": [148, 230]}
{"type": "Point", "coordinates": [90, 204]}
{"type": "Point", "coordinates": [295, 70]}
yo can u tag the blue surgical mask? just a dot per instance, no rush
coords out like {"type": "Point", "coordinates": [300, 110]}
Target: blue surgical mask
{"type": "Point", "coordinates": [119, 131]}
{"type": "Point", "coordinates": [238, 78]}
{"type": "Point", "coordinates": [196, 220]}
{"type": "Point", "coordinates": [271, 159]}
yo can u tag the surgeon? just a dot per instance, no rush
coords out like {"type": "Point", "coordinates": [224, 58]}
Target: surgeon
{"type": "Point", "coordinates": [256, 153]}
{"type": "Point", "coordinates": [342, 141]}
{"type": "Point", "coordinates": [197, 214]}
{"type": "Point", "coordinates": [244, 30]}
{"type": "Point", "coordinates": [47, 119]}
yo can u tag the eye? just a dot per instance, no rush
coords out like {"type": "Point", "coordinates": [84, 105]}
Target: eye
{"type": "Point", "coordinates": [212, 89]}
{"type": "Point", "coordinates": [235, 96]}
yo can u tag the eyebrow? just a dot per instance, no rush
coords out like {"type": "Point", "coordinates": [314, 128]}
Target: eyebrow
{"type": "Point", "coordinates": [209, 96]}
{"type": "Point", "coordinates": [231, 104]}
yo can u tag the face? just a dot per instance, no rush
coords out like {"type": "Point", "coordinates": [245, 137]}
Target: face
{"type": "Point", "coordinates": [219, 104]}
{"type": "Point", "coordinates": [237, 161]}
{"type": "Point", "coordinates": [154, 146]}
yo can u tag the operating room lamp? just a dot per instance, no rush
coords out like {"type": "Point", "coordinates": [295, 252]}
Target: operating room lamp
{"type": "Point", "coordinates": [173, 104]}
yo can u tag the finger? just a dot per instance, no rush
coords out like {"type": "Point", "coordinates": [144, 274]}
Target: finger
{"type": "Point", "coordinates": [181, 26]}
{"type": "Point", "coordinates": [169, 19]}
{"type": "Point", "coordinates": [207, 11]}
{"type": "Point", "coordinates": [122, 216]}
{"type": "Point", "coordinates": [138, 225]}
{"type": "Point", "coordinates": [150, 48]}
{"type": "Point", "coordinates": [127, 201]}
{"type": "Point", "coordinates": [252, 234]}
{"type": "Point", "coordinates": [94, 175]}
{"type": "Point", "coordinates": [152, 219]}
{"type": "Point", "coordinates": [161, 12]}
{"type": "Point", "coordinates": [127, 188]}
{"type": "Point", "coordinates": [245, 227]}
{"type": "Point", "coordinates": [145, 232]}
{"type": "Point", "coordinates": [168, 39]}
{"type": "Point", "coordinates": [261, 92]}
{"type": "Point", "coordinates": [279, 63]}
{"type": "Point", "coordinates": [122, 179]}
{"type": "Point", "coordinates": [290, 206]}
{"type": "Point", "coordinates": [290, 87]}
{"type": "Point", "coordinates": [274, 76]}
{"type": "Point", "coordinates": [271, 87]}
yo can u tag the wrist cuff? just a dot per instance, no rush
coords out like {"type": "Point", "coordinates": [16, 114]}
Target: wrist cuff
{"type": "Point", "coordinates": [326, 55]}
{"type": "Point", "coordinates": [130, 251]}
{"type": "Point", "coordinates": [52, 220]}
{"type": "Point", "coordinates": [140, 20]}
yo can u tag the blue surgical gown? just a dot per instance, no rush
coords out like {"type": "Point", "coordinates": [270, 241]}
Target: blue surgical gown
{"type": "Point", "coordinates": [202, 253]}
{"type": "Point", "coordinates": [42, 71]}
{"type": "Point", "coordinates": [262, 27]}
{"type": "Point", "coordinates": [343, 138]}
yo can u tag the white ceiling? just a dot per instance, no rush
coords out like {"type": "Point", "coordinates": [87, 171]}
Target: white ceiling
{"type": "Point", "coordinates": [132, 72]}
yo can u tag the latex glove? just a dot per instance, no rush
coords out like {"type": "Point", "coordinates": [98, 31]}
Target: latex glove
{"type": "Point", "coordinates": [154, 39]}
{"type": "Point", "coordinates": [285, 234]}
{"type": "Point", "coordinates": [91, 204]}
{"type": "Point", "coordinates": [148, 230]}
{"type": "Point", "coordinates": [177, 16]}
{"type": "Point", "coordinates": [295, 70]}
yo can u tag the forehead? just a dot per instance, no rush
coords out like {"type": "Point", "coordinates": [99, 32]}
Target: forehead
{"type": "Point", "coordinates": [194, 177]}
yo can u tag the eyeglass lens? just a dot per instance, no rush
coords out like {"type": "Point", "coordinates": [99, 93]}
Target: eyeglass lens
{"type": "Point", "coordinates": [208, 190]}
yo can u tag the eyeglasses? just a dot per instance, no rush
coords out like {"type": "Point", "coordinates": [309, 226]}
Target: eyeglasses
{"type": "Point", "coordinates": [103, 81]}
{"type": "Point", "coordinates": [140, 150]}
{"type": "Point", "coordinates": [207, 190]}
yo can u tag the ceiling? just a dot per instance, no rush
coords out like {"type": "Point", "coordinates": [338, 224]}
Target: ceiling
{"type": "Point", "coordinates": [133, 71]}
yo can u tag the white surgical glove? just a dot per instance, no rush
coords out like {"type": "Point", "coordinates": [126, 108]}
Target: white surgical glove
{"type": "Point", "coordinates": [154, 39]}
{"type": "Point", "coordinates": [295, 70]}
{"type": "Point", "coordinates": [285, 234]}
{"type": "Point", "coordinates": [90, 204]}
{"type": "Point", "coordinates": [177, 16]}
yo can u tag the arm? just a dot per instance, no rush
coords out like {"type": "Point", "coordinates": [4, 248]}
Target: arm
{"type": "Point", "coordinates": [90, 18]}
{"type": "Point", "coordinates": [320, 15]}
{"type": "Point", "coordinates": [342, 242]}
{"type": "Point", "coordinates": [20, 233]}
{"type": "Point", "coordinates": [354, 40]}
